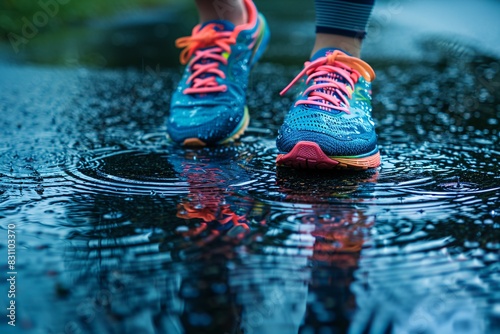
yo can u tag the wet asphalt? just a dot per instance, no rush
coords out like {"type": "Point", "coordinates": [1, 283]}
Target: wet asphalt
{"type": "Point", "coordinates": [120, 231]}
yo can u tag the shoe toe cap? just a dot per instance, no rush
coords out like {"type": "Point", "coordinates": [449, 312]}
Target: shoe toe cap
{"type": "Point", "coordinates": [332, 145]}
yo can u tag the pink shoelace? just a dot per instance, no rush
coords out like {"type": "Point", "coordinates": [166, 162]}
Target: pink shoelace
{"type": "Point", "coordinates": [214, 43]}
{"type": "Point", "coordinates": [328, 93]}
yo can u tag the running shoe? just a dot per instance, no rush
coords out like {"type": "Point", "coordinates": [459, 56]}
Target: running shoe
{"type": "Point", "coordinates": [330, 124]}
{"type": "Point", "coordinates": [209, 105]}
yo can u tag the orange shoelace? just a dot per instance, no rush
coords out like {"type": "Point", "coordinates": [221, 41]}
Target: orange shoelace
{"type": "Point", "coordinates": [207, 45]}
{"type": "Point", "coordinates": [327, 92]}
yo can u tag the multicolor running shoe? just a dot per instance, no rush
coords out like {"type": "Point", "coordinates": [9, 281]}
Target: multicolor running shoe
{"type": "Point", "coordinates": [330, 124]}
{"type": "Point", "coordinates": [209, 104]}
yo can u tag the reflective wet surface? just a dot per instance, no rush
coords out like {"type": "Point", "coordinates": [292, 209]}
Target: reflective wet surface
{"type": "Point", "coordinates": [120, 231]}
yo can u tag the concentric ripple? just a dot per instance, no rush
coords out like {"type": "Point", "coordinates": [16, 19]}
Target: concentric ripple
{"type": "Point", "coordinates": [127, 172]}
{"type": "Point", "coordinates": [149, 166]}
{"type": "Point", "coordinates": [409, 183]}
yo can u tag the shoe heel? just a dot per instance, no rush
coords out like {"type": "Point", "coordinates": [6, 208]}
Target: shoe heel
{"type": "Point", "coordinates": [262, 40]}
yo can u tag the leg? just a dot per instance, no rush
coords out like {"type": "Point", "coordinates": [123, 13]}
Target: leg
{"type": "Point", "coordinates": [341, 24]}
{"type": "Point", "coordinates": [230, 10]}
{"type": "Point", "coordinates": [352, 45]}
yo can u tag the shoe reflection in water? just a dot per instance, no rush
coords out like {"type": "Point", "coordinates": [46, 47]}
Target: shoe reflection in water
{"type": "Point", "coordinates": [207, 202]}
{"type": "Point", "coordinates": [283, 271]}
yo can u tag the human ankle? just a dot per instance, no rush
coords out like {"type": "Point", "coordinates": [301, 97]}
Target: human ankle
{"type": "Point", "coordinates": [350, 45]}
{"type": "Point", "coordinates": [233, 11]}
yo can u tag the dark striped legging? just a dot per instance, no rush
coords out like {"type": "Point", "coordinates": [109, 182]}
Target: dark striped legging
{"type": "Point", "coordinates": [343, 17]}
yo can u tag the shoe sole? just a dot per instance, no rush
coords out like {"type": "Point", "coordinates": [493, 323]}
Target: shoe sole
{"type": "Point", "coordinates": [260, 46]}
{"type": "Point", "coordinates": [308, 155]}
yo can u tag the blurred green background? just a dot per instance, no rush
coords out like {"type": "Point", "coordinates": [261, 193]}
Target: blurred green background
{"type": "Point", "coordinates": [130, 33]}
{"type": "Point", "coordinates": [95, 33]}
{"type": "Point", "coordinates": [68, 11]}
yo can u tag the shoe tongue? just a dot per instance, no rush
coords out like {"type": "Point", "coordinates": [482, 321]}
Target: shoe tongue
{"type": "Point", "coordinates": [219, 25]}
{"type": "Point", "coordinates": [325, 52]}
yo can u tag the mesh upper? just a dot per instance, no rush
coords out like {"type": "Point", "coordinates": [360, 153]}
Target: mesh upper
{"type": "Point", "coordinates": [336, 132]}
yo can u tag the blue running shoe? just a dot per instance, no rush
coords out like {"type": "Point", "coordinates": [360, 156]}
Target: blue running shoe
{"type": "Point", "coordinates": [209, 104]}
{"type": "Point", "coordinates": [330, 124]}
